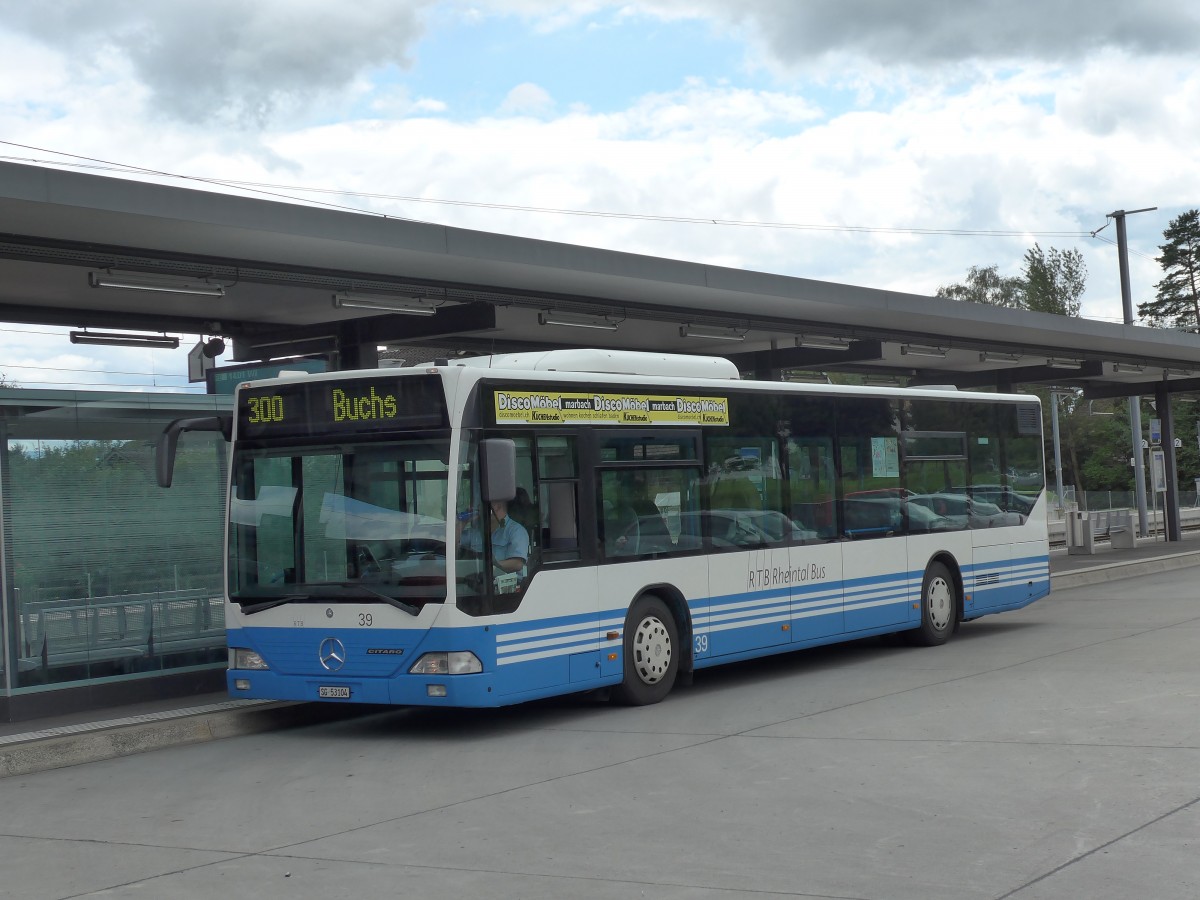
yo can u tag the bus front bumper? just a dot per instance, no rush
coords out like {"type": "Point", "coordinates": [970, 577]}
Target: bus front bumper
{"type": "Point", "coordinates": [407, 690]}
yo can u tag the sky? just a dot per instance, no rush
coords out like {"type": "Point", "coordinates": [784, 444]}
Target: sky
{"type": "Point", "coordinates": [868, 142]}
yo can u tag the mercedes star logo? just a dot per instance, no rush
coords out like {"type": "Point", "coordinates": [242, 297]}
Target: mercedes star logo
{"type": "Point", "coordinates": [332, 654]}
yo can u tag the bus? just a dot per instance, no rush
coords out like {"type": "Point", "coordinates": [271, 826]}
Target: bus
{"type": "Point", "coordinates": [493, 530]}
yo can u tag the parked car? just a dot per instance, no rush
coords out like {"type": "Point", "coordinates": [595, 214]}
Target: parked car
{"type": "Point", "coordinates": [875, 516]}
{"type": "Point", "coordinates": [1002, 496]}
{"type": "Point", "coordinates": [964, 511]}
{"type": "Point", "coordinates": [745, 527]}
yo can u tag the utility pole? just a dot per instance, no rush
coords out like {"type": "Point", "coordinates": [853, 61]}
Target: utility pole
{"type": "Point", "coordinates": [1135, 403]}
{"type": "Point", "coordinates": [1054, 395]}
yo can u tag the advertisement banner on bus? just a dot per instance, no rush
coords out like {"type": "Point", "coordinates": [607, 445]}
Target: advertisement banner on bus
{"type": "Point", "coordinates": [573, 407]}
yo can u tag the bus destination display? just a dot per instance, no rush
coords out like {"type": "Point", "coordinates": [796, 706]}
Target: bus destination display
{"type": "Point", "coordinates": [334, 407]}
{"type": "Point", "coordinates": [575, 407]}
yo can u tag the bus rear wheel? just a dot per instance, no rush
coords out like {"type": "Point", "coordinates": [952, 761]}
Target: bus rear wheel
{"type": "Point", "coordinates": [651, 657]}
{"type": "Point", "coordinates": [939, 607]}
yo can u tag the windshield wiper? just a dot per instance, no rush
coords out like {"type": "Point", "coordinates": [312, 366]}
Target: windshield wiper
{"type": "Point", "coordinates": [252, 608]}
{"type": "Point", "coordinates": [391, 601]}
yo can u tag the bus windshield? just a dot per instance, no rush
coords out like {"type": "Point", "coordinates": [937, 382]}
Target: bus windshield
{"type": "Point", "coordinates": [350, 521]}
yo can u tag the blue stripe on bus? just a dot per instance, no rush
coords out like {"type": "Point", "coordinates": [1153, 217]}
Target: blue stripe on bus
{"type": "Point", "coordinates": [528, 641]}
{"type": "Point", "coordinates": [746, 624]}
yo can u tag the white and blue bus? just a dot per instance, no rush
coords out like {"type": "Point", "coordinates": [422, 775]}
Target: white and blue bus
{"type": "Point", "coordinates": [506, 528]}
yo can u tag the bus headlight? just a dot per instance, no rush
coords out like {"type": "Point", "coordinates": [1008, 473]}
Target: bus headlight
{"type": "Point", "coordinates": [456, 662]}
{"type": "Point", "coordinates": [240, 658]}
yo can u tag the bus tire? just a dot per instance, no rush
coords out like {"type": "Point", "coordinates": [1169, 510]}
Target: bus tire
{"type": "Point", "coordinates": [939, 607]}
{"type": "Point", "coordinates": [651, 653]}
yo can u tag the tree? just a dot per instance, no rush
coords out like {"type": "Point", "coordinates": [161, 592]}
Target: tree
{"type": "Point", "coordinates": [1054, 280]}
{"type": "Point", "coordinates": [1178, 299]}
{"type": "Point", "coordinates": [1051, 281]}
{"type": "Point", "coordinates": [987, 286]}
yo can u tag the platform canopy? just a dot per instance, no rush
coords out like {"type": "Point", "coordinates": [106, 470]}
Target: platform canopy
{"type": "Point", "coordinates": [266, 274]}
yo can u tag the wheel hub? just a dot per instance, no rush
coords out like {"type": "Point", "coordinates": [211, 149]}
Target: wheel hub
{"type": "Point", "coordinates": [940, 603]}
{"type": "Point", "coordinates": [651, 650]}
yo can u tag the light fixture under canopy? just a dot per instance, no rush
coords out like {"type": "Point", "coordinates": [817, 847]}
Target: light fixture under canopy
{"type": "Point", "coordinates": [158, 284]}
{"type": "Point", "coordinates": [120, 339]}
{"type": "Point", "coordinates": [391, 303]}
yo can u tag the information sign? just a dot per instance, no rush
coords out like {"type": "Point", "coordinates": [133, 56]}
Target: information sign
{"type": "Point", "coordinates": [556, 407]}
{"type": "Point", "coordinates": [225, 379]}
{"type": "Point", "coordinates": [1158, 469]}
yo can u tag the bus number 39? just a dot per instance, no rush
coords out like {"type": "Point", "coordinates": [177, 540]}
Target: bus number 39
{"type": "Point", "coordinates": [265, 409]}
{"type": "Point", "coordinates": [702, 643]}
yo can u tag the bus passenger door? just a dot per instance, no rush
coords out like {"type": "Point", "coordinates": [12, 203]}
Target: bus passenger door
{"type": "Point", "coordinates": [816, 561]}
{"type": "Point", "coordinates": [749, 567]}
{"type": "Point", "coordinates": [872, 524]}
{"type": "Point", "coordinates": [646, 534]}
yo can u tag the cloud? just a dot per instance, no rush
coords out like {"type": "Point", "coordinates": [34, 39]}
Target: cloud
{"type": "Point", "coordinates": [997, 154]}
{"type": "Point", "coordinates": [1035, 146]}
{"type": "Point", "coordinates": [527, 99]}
{"type": "Point", "coordinates": [920, 33]}
{"type": "Point", "coordinates": [923, 32]}
{"type": "Point", "coordinates": [236, 62]}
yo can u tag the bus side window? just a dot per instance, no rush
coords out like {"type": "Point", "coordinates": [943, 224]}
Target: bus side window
{"type": "Point", "coordinates": [558, 478]}
{"type": "Point", "coordinates": [523, 508]}
{"type": "Point", "coordinates": [640, 512]}
{"type": "Point", "coordinates": [811, 481]}
{"type": "Point", "coordinates": [744, 489]}
{"type": "Point", "coordinates": [868, 441]}
{"type": "Point", "coordinates": [811, 467]}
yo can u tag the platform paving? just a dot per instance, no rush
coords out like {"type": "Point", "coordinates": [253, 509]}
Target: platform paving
{"type": "Point", "coordinates": [106, 733]}
{"type": "Point", "coordinates": [1050, 752]}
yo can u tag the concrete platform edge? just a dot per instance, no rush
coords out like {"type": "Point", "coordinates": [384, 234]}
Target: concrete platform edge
{"type": "Point", "coordinates": [1120, 570]}
{"type": "Point", "coordinates": [43, 753]}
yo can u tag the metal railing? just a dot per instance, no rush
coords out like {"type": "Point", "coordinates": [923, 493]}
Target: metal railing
{"type": "Point", "coordinates": [1094, 501]}
{"type": "Point", "coordinates": [60, 633]}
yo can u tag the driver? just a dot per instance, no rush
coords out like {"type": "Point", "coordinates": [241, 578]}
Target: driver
{"type": "Point", "coordinates": [510, 540]}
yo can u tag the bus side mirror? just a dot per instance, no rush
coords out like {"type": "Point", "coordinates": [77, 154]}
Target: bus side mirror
{"type": "Point", "coordinates": [498, 457]}
{"type": "Point", "coordinates": [164, 450]}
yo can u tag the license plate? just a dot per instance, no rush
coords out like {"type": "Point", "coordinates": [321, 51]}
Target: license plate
{"type": "Point", "coordinates": [334, 693]}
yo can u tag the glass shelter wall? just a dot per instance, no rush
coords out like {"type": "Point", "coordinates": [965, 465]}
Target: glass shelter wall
{"type": "Point", "coordinates": [105, 575]}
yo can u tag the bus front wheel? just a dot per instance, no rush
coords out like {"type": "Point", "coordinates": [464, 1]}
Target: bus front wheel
{"type": "Point", "coordinates": [651, 653]}
{"type": "Point", "coordinates": [939, 607]}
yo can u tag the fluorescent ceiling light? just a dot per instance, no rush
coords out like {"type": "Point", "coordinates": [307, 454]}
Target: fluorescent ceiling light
{"type": "Point", "coordinates": [116, 339]}
{"type": "Point", "coordinates": [916, 350]}
{"type": "Point", "coordinates": [822, 342]}
{"type": "Point", "coordinates": [1063, 364]}
{"type": "Point", "coordinates": [576, 320]}
{"type": "Point", "coordinates": [1127, 367]}
{"type": "Point", "coordinates": [406, 306]}
{"type": "Point", "coordinates": [160, 284]}
{"type": "Point", "coordinates": [994, 356]}
{"type": "Point", "coordinates": [711, 334]}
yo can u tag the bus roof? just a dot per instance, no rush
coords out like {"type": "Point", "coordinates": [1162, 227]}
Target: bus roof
{"type": "Point", "coordinates": [598, 366]}
{"type": "Point", "coordinates": [608, 362]}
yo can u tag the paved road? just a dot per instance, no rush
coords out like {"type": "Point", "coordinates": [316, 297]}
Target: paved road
{"type": "Point", "coordinates": [1047, 753]}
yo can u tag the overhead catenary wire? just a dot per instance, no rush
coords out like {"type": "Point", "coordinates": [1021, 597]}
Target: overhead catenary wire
{"type": "Point", "coordinates": [297, 193]}
{"type": "Point", "coordinates": [1096, 235]}
{"type": "Point", "coordinates": [129, 168]}
{"type": "Point", "coordinates": [277, 190]}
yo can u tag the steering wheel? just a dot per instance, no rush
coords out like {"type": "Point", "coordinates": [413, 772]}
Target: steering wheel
{"type": "Point", "coordinates": [365, 561]}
